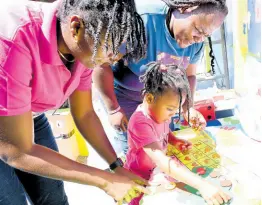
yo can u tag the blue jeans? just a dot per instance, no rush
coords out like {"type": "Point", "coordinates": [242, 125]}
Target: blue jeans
{"type": "Point", "coordinates": [16, 187]}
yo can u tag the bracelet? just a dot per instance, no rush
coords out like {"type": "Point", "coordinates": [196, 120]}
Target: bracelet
{"type": "Point", "coordinates": [114, 111]}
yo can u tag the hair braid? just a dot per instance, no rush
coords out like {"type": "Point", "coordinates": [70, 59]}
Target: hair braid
{"type": "Point", "coordinates": [180, 105]}
{"type": "Point", "coordinates": [97, 38]}
{"type": "Point", "coordinates": [157, 81]}
{"type": "Point", "coordinates": [111, 21]}
{"type": "Point", "coordinates": [213, 5]}
{"type": "Point", "coordinates": [120, 22]}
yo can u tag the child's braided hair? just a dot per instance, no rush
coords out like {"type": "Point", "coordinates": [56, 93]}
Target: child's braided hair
{"type": "Point", "coordinates": [157, 80]}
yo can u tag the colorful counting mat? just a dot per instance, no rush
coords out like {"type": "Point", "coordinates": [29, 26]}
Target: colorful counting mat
{"type": "Point", "coordinates": [202, 158]}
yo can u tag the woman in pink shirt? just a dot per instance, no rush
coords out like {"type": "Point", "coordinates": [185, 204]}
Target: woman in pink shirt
{"type": "Point", "coordinates": [166, 89]}
{"type": "Point", "coordinates": [45, 50]}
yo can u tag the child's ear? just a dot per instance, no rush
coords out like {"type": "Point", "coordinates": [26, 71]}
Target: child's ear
{"type": "Point", "coordinates": [150, 98]}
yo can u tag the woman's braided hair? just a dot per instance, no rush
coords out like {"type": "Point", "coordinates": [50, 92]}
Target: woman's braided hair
{"type": "Point", "coordinates": [116, 20]}
{"type": "Point", "coordinates": [157, 81]}
{"type": "Point", "coordinates": [204, 6]}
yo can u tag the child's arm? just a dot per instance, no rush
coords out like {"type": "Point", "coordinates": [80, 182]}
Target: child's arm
{"type": "Point", "coordinates": [210, 193]}
{"type": "Point", "coordinates": [180, 144]}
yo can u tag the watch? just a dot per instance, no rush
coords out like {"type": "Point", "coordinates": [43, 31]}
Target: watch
{"type": "Point", "coordinates": [117, 163]}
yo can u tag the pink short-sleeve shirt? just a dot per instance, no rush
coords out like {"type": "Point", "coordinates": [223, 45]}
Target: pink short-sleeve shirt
{"type": "Point", "coordinates": [142, 131]}
{"type": "Point", "coordinates": [32, 75]}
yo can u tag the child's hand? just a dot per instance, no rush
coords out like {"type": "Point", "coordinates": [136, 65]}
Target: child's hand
{"type": "Point", "coordinates": [197, 121]}
{"type": "Point", "coordinates": [182, 145]}
{"type": "Point", "coordinates": [213, 195]}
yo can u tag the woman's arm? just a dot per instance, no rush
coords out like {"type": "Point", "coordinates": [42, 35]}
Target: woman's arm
{"type": "Point", "coordinates": [18, 150]}
{"type": "Point", "coordinates": [92, 130]}
{"type": "Point", "coordinates": [191, 75]}
{"type": "Point", "coordinates": [196, 118]}
{"type": "Point", "coordinates": [89, 124]}
{"type": "Point", "coordinates": [103, 78]}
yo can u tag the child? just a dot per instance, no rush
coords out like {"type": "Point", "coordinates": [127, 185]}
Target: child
{"type": "Point", "coordinates": [165, 89]}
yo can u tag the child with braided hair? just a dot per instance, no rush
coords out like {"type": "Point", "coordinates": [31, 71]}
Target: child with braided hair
{"type": "Point", "coordinates": [166, 88]}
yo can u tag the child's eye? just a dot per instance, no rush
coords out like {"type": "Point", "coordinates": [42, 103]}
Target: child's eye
{"type": "Point", "coordinates": [170, 109]}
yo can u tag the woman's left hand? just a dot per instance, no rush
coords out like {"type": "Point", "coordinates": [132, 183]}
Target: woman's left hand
{"type": "Point", "coordinates": [135, 178]}
{"type": "Point", "coordinates": [197, 120]}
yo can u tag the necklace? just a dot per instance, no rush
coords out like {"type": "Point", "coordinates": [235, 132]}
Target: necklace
{"type": "Point", "coordinates": [62, 55]}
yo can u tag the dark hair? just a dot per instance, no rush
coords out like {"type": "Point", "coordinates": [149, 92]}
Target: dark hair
{"type": "Point", "coordinates": [117, 20]}
{"type": "Point", "coordinates": [157, 81]}
{"type": "Point", "coordinates": [203, 5]}
{"type": "Point", "coordinates": [211, 55]}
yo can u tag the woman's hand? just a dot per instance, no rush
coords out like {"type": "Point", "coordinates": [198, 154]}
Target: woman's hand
{"type": "Point", "coordinates": [118, 121]}
{"type": "Point", "coordinates": [197, 120]}
{"type": "Point", "coordinates": [123, 189]}
{"type": "Point", "coordinates": [137, 179]}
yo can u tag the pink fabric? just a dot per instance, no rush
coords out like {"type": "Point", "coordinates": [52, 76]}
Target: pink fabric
{"type": "Point", "coordinates": [142, 131]}
{"type": "Point", "coordinates": [136, 200]}
{"type": "Point", "coordinates": [32, 75]}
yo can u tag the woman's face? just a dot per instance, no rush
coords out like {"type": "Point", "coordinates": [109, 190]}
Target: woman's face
{"type": "Point", "coordinates": [189, 28]}
{"type": "Point", "coordinates": [103, 56]}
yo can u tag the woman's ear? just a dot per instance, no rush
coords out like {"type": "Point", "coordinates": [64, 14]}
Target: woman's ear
{"type": "Point", "coordinates": [150, 99]}
{"type": "Point", "coordinates": [77, 28]}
